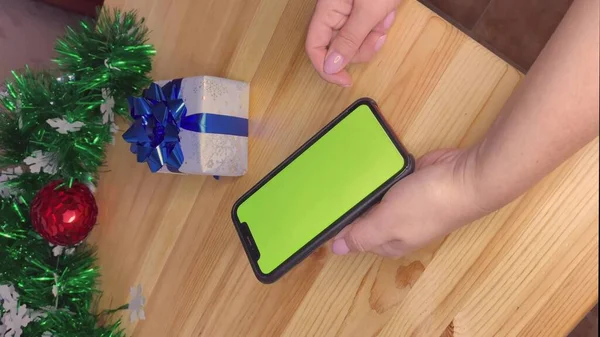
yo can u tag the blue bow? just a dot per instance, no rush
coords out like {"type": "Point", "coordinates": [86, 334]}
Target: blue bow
{"type": "Point", "coordinates": [159, 115]}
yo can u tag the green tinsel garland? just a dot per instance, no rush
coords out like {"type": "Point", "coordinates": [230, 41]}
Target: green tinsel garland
{"type": "Point", "coordinates": [110, 56]}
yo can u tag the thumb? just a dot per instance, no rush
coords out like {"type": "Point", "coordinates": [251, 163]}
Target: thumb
{"type": "Point", "coordinates": [365, 234]}
{"type": "Point", "coordinates": [347, 42]}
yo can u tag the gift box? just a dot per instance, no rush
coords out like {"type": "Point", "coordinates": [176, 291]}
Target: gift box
{"type": "Point", "coordinates": [194, 125]}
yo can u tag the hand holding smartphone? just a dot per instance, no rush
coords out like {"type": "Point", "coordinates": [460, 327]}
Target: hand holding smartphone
{"type": "Point", "coordinates": [324, 186]}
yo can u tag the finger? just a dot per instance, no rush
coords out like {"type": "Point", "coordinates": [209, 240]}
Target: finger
{"type": "Point", "coordinates": [367, 233]}
{"type": "Point", "coordinates": [346, 44]}
{"type": "Point", "coordinates": [373, 43]}
{"type": "Point", "coordinates": [345, 230]}
{"type": "Point", "coordinates": [394, 249]}
{"type": "Point", "coordinates": [320, 33]}
{"type": "Point", "coordinates": [384, 25]}
{"type": "Point", "coordinates": [316, 53]}
{"type": "Point", "coordinates": [342, 233]}
{"type": "Point", "coordinates": [375, 40]}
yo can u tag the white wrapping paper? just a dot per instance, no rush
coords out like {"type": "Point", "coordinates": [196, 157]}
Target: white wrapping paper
{"type": "Point", "coordinates": [213, 154]}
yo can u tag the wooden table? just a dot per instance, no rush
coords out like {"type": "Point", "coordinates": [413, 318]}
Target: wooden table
{"type": "Point", "coordinates": [529, 269]}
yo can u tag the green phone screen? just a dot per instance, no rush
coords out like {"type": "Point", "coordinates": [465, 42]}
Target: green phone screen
{"type": "Point", "coordinates": [327, 180]}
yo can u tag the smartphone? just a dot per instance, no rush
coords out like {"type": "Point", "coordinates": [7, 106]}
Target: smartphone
{"type": "Point", "coordinates": [322, 187]}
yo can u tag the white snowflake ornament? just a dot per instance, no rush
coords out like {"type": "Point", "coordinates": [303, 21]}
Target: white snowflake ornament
{"type": "Point", "coordinates": [40, 161]}
{"type": "Point", "coordinates": [6, 175]}
{"type": "Point", "coordinates": [15, 320]}
{"type": "Point", "coordinates": [113, 129]}
{"type": "Point", "coordinates": [108, 114]}
{"type": "Point", "coordinates": [136, 304]}
{"type": "Point", "coordinates": [8, 297]}
{"type": "Point", "coordinates": [55, 286]}
{"type": "Point", "coordinates": [15, 317]}
{"type": "Point", "coordinates": [63, 126]}
{"type": "Point", "coordinates": [60, 250]}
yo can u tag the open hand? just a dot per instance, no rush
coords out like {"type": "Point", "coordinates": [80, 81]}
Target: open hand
{"type": "Point", "coordinates": [347, 31]}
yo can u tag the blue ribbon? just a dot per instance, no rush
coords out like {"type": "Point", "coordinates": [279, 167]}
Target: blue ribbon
{"type": "Point", "coordinates": [159, 115]}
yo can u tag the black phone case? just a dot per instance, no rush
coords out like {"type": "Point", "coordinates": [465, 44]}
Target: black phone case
{"type": "Point", "coordinates": [331, 231]}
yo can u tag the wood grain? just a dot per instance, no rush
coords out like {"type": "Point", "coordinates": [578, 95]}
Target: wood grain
{"type": "Point", "coordinates": [529, 269]}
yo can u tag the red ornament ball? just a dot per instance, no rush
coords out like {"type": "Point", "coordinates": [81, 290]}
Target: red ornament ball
{"type": "Point", "coordinates": [64, 216]}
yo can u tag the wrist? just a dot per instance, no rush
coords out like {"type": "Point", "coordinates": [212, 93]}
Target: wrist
{"type": "Point", "coordinates": [485, 188]}
{"type": "Point", "coordinates": [466, 171]}
{"type": "Point", "coordinates": [461, 197]}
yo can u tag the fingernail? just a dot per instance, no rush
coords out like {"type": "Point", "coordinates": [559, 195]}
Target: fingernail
{"type": "Point", "coordinates": [389, 20]}
{"type": "Point", "coordinates": [380, 42]}
{"type": "Point", "coordinates": [340, 247]}
{"type": "Point", "coordinates": [333, 63]}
